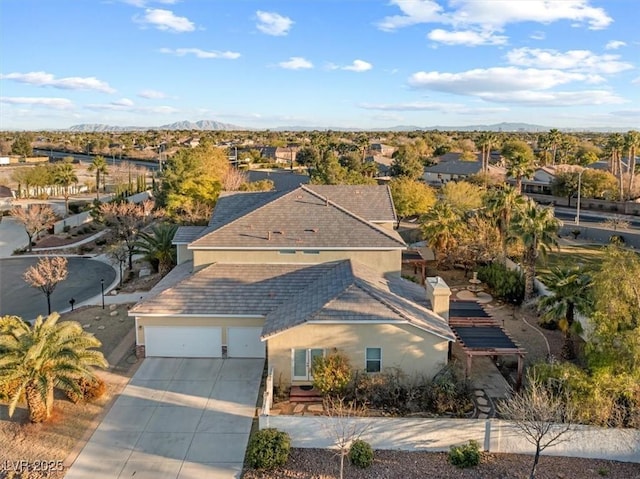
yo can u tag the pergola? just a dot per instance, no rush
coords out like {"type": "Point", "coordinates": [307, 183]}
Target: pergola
{"type": "Point", "coordinates": [478, 334]}
{"type": "Point", "coordinates": [414, 258]}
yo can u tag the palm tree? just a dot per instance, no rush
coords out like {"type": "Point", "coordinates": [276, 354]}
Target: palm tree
{"type": "Point", "coordinates": [537, 228]}
{"type": "Point", "coordinates": [570, 288]}
{"type": "Point", "coordinates": [554, 138]}
{"type": "Point", "coordinates": [485, 140]}
{"type": "Point", "coordinates": [64, 176]}
{"type": "Point", "coordinates": [632, 144]}
{"type": "Point", "coordinates": [99, 165]}
{"type": "Point", "coordinates": [519, 156]}
{"type": "Point", "coordinates": [502, 205]}
{"type": "Point", "coordinates": [158, 248]}
{"type": "Point", "coordinates": [442, 228]}
{"type": "Point", "coordinates": [45, 356]}
{"type": "Point", "coordinates": [614, 146]}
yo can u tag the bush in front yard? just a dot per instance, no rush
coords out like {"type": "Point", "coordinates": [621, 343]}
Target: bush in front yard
{"type": "Point", "coordinates": [361, 454]}
{"type": "Point", "coordinates": [268, 449]}
{"type": "Point", "coordinates": [465, 455]}
{"type": "Point", "coordinates": [331, 374]}
{"type": "Point", "coordinates": [90, 390]}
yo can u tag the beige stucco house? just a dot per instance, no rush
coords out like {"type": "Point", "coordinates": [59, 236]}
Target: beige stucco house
{"type": "Point", "coordinates": [291, 275]}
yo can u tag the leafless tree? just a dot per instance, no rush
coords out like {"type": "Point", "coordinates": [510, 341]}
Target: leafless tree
{"type": "Point", "coordinates": [542, 416]}
{"type": "Point", "coordinates": [34, 218]}
{"type": "Point", "coordinates": [233, 179]}
{"type": "Point", "coordinates": [126, 221]}
{"type": "Point", "coordinates": [118, 254]}
{"type": "Point", "coordinates": [46, 275]}
{"type": "Point", "coordinates": [616, 223]}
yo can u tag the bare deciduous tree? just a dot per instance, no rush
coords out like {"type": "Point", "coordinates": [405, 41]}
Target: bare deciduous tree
{"type": "Point", "coordinates": [118, 254]}
{"type": "Point", "coordinates": [34, 218]}
{"type": "Point", "coordinates": [543, 418]}
{"type": "Point", "coordinates": [126, 221]}
{"type": "Point", "coordinates": [46, 275]}
{"type": "Point", "coordinates": [233, 179]}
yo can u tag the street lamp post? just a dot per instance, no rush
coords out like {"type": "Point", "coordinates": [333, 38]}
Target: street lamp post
{"type": "Point", "coordinates": [102, 289]}
{"type": "Point", "coordinates": [578, 206]}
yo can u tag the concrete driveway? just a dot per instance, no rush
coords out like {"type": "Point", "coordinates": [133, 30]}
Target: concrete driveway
{"type": "Point", "coordinates": [177, 418]}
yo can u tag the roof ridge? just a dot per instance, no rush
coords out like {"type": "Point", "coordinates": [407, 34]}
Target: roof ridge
{"type": "Point", "coordinates": [371, 225]}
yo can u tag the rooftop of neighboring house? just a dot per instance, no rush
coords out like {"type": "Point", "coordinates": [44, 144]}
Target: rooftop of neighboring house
{"type": "Point", "coordinates": [461, 168]}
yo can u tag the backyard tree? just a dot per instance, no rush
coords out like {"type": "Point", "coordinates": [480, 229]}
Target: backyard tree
{"type": "Point", "coordinates": [411, 197]}
{"type": "Point", "coordinates": [157, 247]}
{"type": "Point", "coordinates": [45, 356]}
{"type": "Point", "coordinates": [543, 418]}
{"type": "Point", "coordinates": [46, 274]}
{"type": "Point", "coordinates": [519, 159]}
{"type": "Point", "coordinates": [99, 166]}
{"type": "Point", "coordinates": [462, 196]}
{"type": "Point", "coordinates": [571, 294]}
{"type": "Point", "coordinates": [22, 145]}
{"type": "Point", "coordinates": [406, 162]}
{"type": "Point", "coordinates": [537, 228]}
{"type": "Point", "coordinates": [442, 227]}
{"type": "Point", "coordinates": [64, 176]}
{"type": "Point", "coordinates": [501, 205]}
{"type": "Point", "coordinates": [35, 218]}
{"type": "Point", "coordinates": [126, 221]}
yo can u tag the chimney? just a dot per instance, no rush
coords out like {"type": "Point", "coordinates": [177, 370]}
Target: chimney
{"type": "Point", "coordinates": [438, 294]}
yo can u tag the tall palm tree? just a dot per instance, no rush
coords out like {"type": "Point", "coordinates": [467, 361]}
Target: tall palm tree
{"type": "Point", "coordinates": [157, 246]}
{"type": "Point", "coordinates": [442, 228]}
{"type": "Point", "coordinates": [614, 146]}
{"type": "Point", "coordinates": [485, 141]}
{"type": "Point", "coordinates": [570, 288]}
{"type": "Point", "coordinates": [520, 161]}
{"type": "Point", "coordinates": [501, 206]}
{"type": "Point", "coordinates": [65, 176]}
{"type": "Point", "coordinates": [537, 228]}
{"type": "Point", "coordinates": [45, 356]}
{"type": "Point", "coordinates": [99, 165]}
{"type": "Point", "coordinates": [554, 138]}
{"type": "Point", "coordinates": [632, 144]}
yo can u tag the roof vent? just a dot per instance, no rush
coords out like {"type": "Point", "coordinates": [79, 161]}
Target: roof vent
{"type": "Point", "coordinates": [311, 230]}
{"type": "Point", "coordinates": [298, 197]}
{"type": "Point", "coordinates": [268, 235]}
{"type": "Point", "coordinates": [278, 232]}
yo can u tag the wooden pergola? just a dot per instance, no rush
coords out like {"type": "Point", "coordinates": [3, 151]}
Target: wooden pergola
{"type": "Point", "coordinates": [414, 258]}
{"type": "Point", "coordinates": [478, 334]}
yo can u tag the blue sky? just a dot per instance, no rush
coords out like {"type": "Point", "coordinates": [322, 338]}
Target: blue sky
{"type": "Point", "coordinates": [319, 63]}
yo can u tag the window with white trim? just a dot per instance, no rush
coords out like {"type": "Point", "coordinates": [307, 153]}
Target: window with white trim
{"type": "Point", "coordinates": [373, 360]}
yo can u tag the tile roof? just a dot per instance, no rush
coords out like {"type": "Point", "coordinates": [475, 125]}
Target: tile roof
{"type": "Point", "coordinates": [370, 202]}
{"type": "Point", "coordinates": [186, 234]}
{"type": "Point", "coordinates": [299, 219]}
{"type": "Point", "coordinates": [289, 295]}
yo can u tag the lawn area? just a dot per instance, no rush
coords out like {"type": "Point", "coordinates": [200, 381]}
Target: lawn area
{"type": "Point", "coordinates": [587, 255]}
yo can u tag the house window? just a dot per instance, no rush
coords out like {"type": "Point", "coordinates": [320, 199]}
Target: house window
{"type": "Point", "coordinates": [302, 363]}
{"type": "Point", "coordinates": [373, 357]}
{"type": "Point", "coordinates": [287, 251]}
{"type": "Point", "coordinates": [311, 251]}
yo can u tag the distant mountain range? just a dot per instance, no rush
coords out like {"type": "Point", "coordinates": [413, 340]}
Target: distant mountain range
{"type": "Point", "coordinates": [212, 125]}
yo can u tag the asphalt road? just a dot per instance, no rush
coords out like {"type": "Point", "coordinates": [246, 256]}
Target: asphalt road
{"type": "Point", "coordinates": [594, 219]}
{"type": "Point", "coordinates": [20, 299]}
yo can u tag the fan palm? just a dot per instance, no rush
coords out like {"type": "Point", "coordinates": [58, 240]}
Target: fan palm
{"type": "Point", "coordinates": [537, 228]}
{"type": "Point", "coordinates": [45, 356]}
{"type": "Point", "coordinates": [502, 205]}
{"type": "Point", "coordinates": [64, 176]}
{"type": "Point", "coordinates": [157, 246]}
{"type": "Point", "coordinates": [99, 165]}
{"type": "Point", "coordinates": [570, 288]}
{"type": "Point", "coordinates": [442, 228]}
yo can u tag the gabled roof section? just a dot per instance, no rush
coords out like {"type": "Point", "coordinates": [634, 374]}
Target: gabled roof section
{"type": "Point", "coordinates": [235, 204]}
{"type": "Point", "coordinates": [186, 234]}
{"type": "Point", "coordinates": [370, 202]}
{"type": "Point", "coordinates": [298, 219]}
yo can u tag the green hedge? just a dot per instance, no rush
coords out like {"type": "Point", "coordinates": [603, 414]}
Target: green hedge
{"type": "Point", "coordinates": [506, 284]}
{"type": "Point", "coordinates": [268, 449]}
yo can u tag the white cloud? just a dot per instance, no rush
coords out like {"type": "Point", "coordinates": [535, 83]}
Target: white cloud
{"type": "Point", "coordinates": [126, 105]}
{"type": "Point", "coordinates": [555, 98]}
{"type": "Point", "coordinates": [272, 23]}
{"type": "Point", "coordinates": [166, 20]}
{"type": "Point", "coordinates": [575, 60]}
{"type": "Point", "coordinates": [54, 103]}
{"type": "Point", "coordinates": [414, 12]}
{"type": "Point", "coordinates": [151, 94]}
{"type": "Point", "coordinates": [67, 83]}
{"type": "Point", "coordinates": [538, 35]}
{"type": "Point", "coordinates": [296, 63]}
{"type": "Point", "coordinates": [123, 102]}
{"type": "Point", "coordinates": [466, 37]}
{"type": "Point", "coordinates": [358, 66]}
{"type": "Point", "coordinates": [433, 106]}
{"type": "Point", "coordinates": [615, 44]}
{"type": "Point", "coordinates": [636, 81]}
{"type": "Point", "coordinates": [207, 54]}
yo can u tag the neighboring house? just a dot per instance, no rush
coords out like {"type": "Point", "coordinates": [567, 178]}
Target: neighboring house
{"type": "Point", "coordinates": [383, 163]}
{"type": "Point", "coordinates": [6, 197]}
{"type": "Point", "coordinates": [280, 154]}
{"type": "Point", "coordinates": [456, 170]}
{"type": "Point", "coordinates": [381, 149]}
{"type": "Point", "coordinates": [292, 275]}
{"type": "Point", "coordinates": [540, 182]}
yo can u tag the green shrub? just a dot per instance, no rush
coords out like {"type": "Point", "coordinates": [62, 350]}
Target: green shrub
{"type": "Point", "coordinates": [361, 454]}
{"type": "Point", "coordinates": [465, 455]}
{"type": "Point", "coordinates": [505, 283]}
{"type": "Point", "coordinates": [331, 374]}
{"type": "Point", "coordinates": [268, 449]}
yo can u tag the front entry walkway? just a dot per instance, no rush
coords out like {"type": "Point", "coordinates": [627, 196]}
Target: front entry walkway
{"type": "Point", "coordinates": [176, 419]}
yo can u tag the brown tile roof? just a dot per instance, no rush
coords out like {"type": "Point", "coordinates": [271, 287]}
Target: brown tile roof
{"type": "Point", "coordinates": [186, 234]}
{"type": "Point", "coordinates": [298, 219]}
{"type": "Point", "coordinates": [289, 295]}
{"type": "Point", "coordinates": [370, 202]}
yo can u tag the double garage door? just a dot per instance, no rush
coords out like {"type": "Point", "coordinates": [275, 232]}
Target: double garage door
{"type": "Point", "coordinates": [202, 342]}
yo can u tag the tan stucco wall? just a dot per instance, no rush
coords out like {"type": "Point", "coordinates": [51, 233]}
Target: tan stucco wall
{"type": "Point", "coordinates": [382, 261]}
{"type": "Point", "coordinates": [183, 253]}
{"type": "Point", "coordinates": [141, 322]}
{"type": "Point", "coordinates": [403, 346]}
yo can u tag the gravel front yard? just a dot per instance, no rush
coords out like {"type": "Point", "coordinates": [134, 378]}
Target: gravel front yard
{"type": "Point", "coordinates": [322, 464]}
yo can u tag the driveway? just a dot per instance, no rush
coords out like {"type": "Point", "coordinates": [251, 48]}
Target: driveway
{"type": "Point", "coordinates": [177, 418]}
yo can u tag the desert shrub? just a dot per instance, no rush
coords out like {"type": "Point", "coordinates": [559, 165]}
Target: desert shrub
{"type": "Point", "coordinates": [449, 393]}
{"type": "Point", "coordinates": [268, 449]}
{"type": "Point", "coordinates": [361, 454]}
{"type": "Point", "coordinates": [66, 228]}
{"type": "Point", "coordinates": [465, 455]}
{"type": "Point", "coordinates": [331, 374]}
{"type": "Point", "coordinates": [90, 389]}
{"type": "Point", "coordinates": [505, 283]}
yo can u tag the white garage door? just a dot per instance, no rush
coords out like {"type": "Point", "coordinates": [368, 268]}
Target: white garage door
{"type": "Point", "coordinates": [183, 342]}
{"type": "Point", "coordinates": [245, 343]}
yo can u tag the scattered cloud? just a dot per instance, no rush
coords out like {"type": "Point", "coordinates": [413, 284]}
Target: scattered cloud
{"type": "Point", "coordinates": [272, 23]}
{"type": "Point", "coordinates": [442, 107]}
{"type": "Point", "coordinates": [633, 113]}
{"type": "Point", "coordinates": [53, 103]}
{"type": "Point", "coordinates": [413, 12]}
{"type": "Point", "coordinates": [575, 60]}
{"type": "Point", "coordinates": [165, 20]}
{"type": "Point", "coordinates": [126, 105]}
{"type": "Point", "coordinates": [68, 83]}
{"type": "Point", "coordinates": [538, 35]}
{"type": "Point", "coordinates": [555, 98]}
{"type": "Point", "coordinates": [358, 66]}
{"type": "Point", "coordinates": [123, 102]}
{"type": "Point", "coordinates": [636, 81]}
{"type": "Point", "coordinates": [615, 44]}
{"type": "Point", "coordinates": [296, 63]}
{"type": "Point", "coordinates": [468, 38]}
{"type": "Point", "coordinates": [151, 94]}
{"type": "Point", "coordinates": [198, 53]}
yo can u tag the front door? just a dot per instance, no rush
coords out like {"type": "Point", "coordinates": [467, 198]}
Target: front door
{"type": "Point", "coordinates": [302, 363]}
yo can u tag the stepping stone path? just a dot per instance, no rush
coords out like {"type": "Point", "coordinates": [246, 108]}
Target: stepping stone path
{"type": "Point", "coordinates": [484, 405]}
